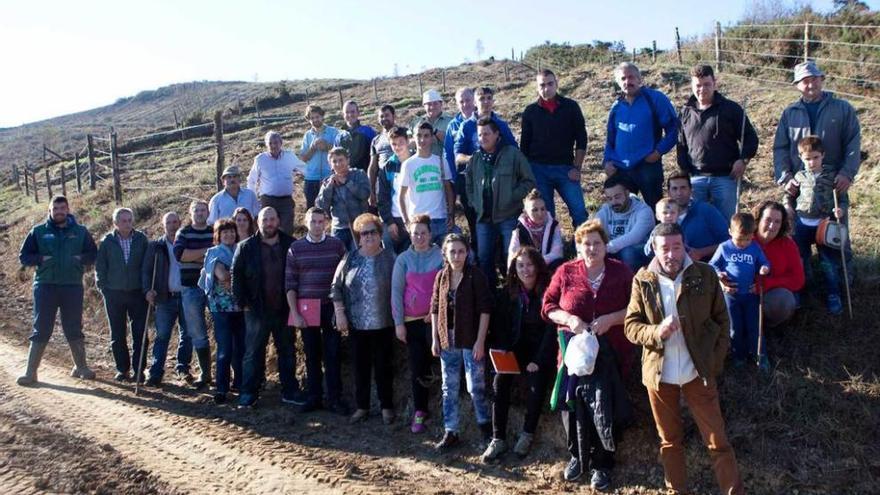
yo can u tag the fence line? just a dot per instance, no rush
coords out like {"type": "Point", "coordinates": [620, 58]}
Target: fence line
{"type": "Point", "coordinates": [166, 150]}
{"type": "Point", "coordinates": [165, 133]}
{"type": "Point", "coordinates": [787, 40]}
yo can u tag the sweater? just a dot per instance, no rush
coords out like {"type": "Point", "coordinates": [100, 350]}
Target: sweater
{"type": "Point", "coordinates": [784, 257]}
{"type": "Point", "coordinates": [111, 270]}
{"type": "Point", "coordinates": [344, 202]}
{"type": "Point", "coordinates": [412, 283]}
{"type": "Point", "coordinates": [628, 228]}
{"type": "Point", "coordinates": [472, 299]}
{"type": "Point", "coordinates": [310, 267]}
{"type": "Point", "coordinates": [551, 138]}
{"type": "Point", "coordinates": [708, 141]}
{"type": "Point", "coordinates": [190, 237]}
{"type": "Point", "coordinates": [741, 264]}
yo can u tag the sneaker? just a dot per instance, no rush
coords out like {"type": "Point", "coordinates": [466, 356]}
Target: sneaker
{"type": "Point", "coordinates": [185, 377]}
{"type": "Point", "coordinates": [418, 422]}
{"type": "Point", "coordinates": [358, 416]}
{"type": "Point", "coordinates": [247, 400]}
{"type": "Point", "coordinates": [496, 447]}
{"type": "Point", "coordinates": [835, 305]}
{"type": "Point", "coordinates": [154, 381]}
{"type": "Point", "coordinates": [764, 364]}
{"type": "Point", "coordinates": [297, 398]}
{"type": "Point", "coordinates": [449, 440]}
{"type": "Point", "coordinates": [573, 470]}
{"type": "Point", "coordinates": [122, 377]}
{"type": "Point", "coordinates": [600, 479]}
{"type": "Point", "coordinates": [523, 444]}
{"type": "Point", "coordinates": [219, 398]}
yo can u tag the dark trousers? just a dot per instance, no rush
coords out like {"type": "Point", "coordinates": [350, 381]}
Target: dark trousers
{"type": "Point", "coordinates": [229, 332]}
{"type": "Point", "coordinates": [312, 188]}
{"type": "Point", "coordinates": [648, 180]}
{"type": "Point", "coordinates": [322, 344]}
{"type": "Point", "coordinates": [743, 309]}
{"type": "Point", "coordinates": [373, 352]}
{"type": "Point", "coordinates": [469, 214]}
{"type": "Point", "coordinates": [583, 439]}
{"type": "Point", "coordinates": [284, 207]}
{"type": "Point", "coordinates": [259, 327]}
{"type": "Point", "coordinates": [123, 306]}
{"type": "Point", "coordinates": [418, 345]}
{"type": "Point", "coordinates": [48, 299]}
{"type": "Point", "coordinates": [502, 385]}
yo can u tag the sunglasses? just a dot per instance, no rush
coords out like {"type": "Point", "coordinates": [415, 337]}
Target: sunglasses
{"type": "Point", "coordinates": [369, 232]}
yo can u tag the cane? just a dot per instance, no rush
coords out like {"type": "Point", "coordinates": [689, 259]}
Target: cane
{"type": "Point", "coordinates": [843, 262]}
{"type": "Point", "coordinates": [760, 317]}
{"type": "Point", "coordinates": [742, 139]}
{"type": "Point", "coordinates": [140, 363]}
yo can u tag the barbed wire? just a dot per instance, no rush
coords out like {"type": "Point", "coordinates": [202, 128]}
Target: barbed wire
{"type": "Point", "coordinates": [781, 55]}
{"type": "Point", "coordinates": [189, 186]}
{"type": "Point", "coordinates": [167, 150]}
{"type": "Point", "coordinates": [802, 24]}
{"type": "Point", "coordinates": [171, 168]}
{"type": "Point", "coordinates": [163, 133]}
{"type": "Point", "coordinates": [788, 40]}
{"type": "Point", "coordinates": [789, 85]}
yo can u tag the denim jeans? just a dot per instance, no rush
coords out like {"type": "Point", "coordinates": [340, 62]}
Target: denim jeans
{"type": "Point", "coordinates": [167, 313]}
{"type": "Point", "coordinates": [555, 176]}
{"type": "Point", "coordinates": [322, 344]}
{"type": "Point", "coordinates": [345, 236]}
{"type": "Point", "coordinates": [720, 191]}
{"type": "Point", "coordinates": [829, 259]}
{"type": "Point", "coordinates": [312, 188]}
{"type": "Point", "coordinates": [632, 256]}
{"type": "Point", "coordinates": [438, 230]}
{"type": "Point", "coordinates": [194, 304]}
{"type": "Point", "coordinates": [373, 355]}
{"type": "Point", "coordinates": [743, 309]}
{"type": "Point", "coordinates": [229, 333]}
{"type": "Point", "coordinates": [258, 328]}
{"type": "Point", "coordinates": [488, 235]}
{"type": "Point", "coordinates": [451, 362]}
{"type": "Point", "coordinates": [123, 306]}
{"type": "Point", "coordinates": [48, 299]}
{"type": "Point", "coordinates": [648, 181]}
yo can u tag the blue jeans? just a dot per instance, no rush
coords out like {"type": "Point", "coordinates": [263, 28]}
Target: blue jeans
{"type": "Point", "coordinates": [229, 334]}
{"type": "Point", "coordinates": [312, 188]}
{"type": "Point", "coordinates": [451, 361]}
{"type": "Point", "coordinates": [488, 235]}
{"type": "Point", "coordinates": [555, 176]}
{"type": "Point", "coordinates": [122, 307]}
{"type": "Point", "coordinates": [258, 328]}
{"type": "Point", "coordinates": [720, 191]}
{"type": "Point", "coordinates": [48, 299]}
{"type": "Point", "coordinates": [648, 181]}
{"type": "Point", "coordinates": [438, 230]}
{"type": "Point", "coordinates": [194, 304]}
{"type": "Point", "coordinates": [829, 259]}
{"type": "Point", "coordinates": [167, 313]}
{"type": "Point", "coordinates": [743, 309]}
{"type": "Point", "coordinates": [632, 256]}
{"type": "Point", "coordinates": [322, 344]}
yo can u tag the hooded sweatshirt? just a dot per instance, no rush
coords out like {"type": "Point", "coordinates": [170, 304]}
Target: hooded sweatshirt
{"type": "Point", "coordinates": [412, 282]}
{"type": "Point", "coordinates": [628, 228]}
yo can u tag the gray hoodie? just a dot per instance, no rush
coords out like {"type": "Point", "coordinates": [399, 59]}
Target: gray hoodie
{"type": "Point", "coordinates": [629, 228]}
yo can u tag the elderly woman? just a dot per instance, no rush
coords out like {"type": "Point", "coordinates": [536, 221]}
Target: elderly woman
{"type": "Point", "coordinates": [244, 223]}
{"type": "Point", "coordinates": [361, 293]}
{"type": "Point", "coordinates": [228, 317]}
{"type": "Point", "coordinates": [787, 276]}
{"type": "Point", "coordinates": [590, 294]}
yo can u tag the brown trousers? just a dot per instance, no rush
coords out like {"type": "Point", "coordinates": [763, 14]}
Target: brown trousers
{"type": "Point", "coordinates": [706, 410]}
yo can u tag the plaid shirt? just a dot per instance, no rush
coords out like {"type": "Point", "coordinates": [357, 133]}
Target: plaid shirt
{"type": "Point", "coordinates": [126, 247]}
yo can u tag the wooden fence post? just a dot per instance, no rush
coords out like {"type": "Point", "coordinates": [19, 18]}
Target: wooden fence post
{"type": "Point", "coordinates": [376, 91]}
{"type": "Point", "coordinates": [507, 73]}
{"type": "Point", "coordinates": [512, 55]}
{"type": "Point", "coordinates": [27, 187]}
{"type": "Point", "coordinates": [114, 162]}
{"type": "Point", "coordinates": [420, 85]}
{"type": "Point", "coordinates": [806, 41]}
{"type": "Point", "coordinates": [654, 51]}
{"type": "Point", "coordinates": [218, 140]}
{"type": "Point", "coordinates": [308, 97]}
{"type": "Point", "coordinates": [79, 186]}
{"type": "Point", "coordinates": [63, 181]}
{"type": "Point", "coordinates": [15, 176]}
{"type": "Point", "coordinates": [717, 46]}
{"type": "Point", "coordinates": [443, 77]}
{"type": "Point", "coordinates": [48, 183]}
{"type": "Point", "coordinates": [257, 109]}
{"type": "Point", "coordinates": [678, 46]}
{"type": "Point", "coordinates": [633, 59]}
{"type": "Point", "coordinates": [339, 91]}
{"type": "Point", "coordinates": [92, 177]}
{"type": "Point", "coordinates": [34, 184]}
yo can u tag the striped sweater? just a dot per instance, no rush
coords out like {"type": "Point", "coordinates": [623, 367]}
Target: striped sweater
{"type": "Point", "coordinates": [310, 267]}
{"type": "Point", "coordinates": [191, 238]}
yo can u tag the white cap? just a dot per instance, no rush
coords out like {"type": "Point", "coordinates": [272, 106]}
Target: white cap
{"type": "Point", "coordinates": [430, 96]}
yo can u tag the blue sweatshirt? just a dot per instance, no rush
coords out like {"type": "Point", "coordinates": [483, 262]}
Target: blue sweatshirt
{"type": "Point", "coordinates": [703, 225]}
{"type": "Point", "coordinates": [449, 142]}
{"type": "Point", "coordinates": [631, 134]}
{"type": "Point", "coordinates": [466, 141]}
{"type": "Point", "coordinates": [741, 265]}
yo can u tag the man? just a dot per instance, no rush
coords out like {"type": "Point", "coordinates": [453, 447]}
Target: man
{"type": "Point", "coordinates": [817, 113]}
{"type": "Point", "coordinates": [712, 146]}
{"type": "Point", "coordinates": [190, 246]}
{"type": "Point", "coordinates": [233, 196]}
{"type": "Point", "coordinates": [466, 141]}
{"type": "Point", "coordinates": [702, 225]}
{"type": "Point", "coordinates": [118, 277]}
{"type": "Point", "coordinates": [434, 115]}
{"type": "Point", "coordinates": [464, 98]}
{"type": "Point", "coordinates": [355, 137]}
{"type": "Point", "coordinates": [627, 220]}
{"type": "Point", "coordinates": [388, 191]}
{"type": "Point", "coordinates": [554, 138]}
{"type": "Point", "coordinates": [160, 283]}
{"type": "Point", "coordinates": [642, 127]}
{"type": "Point", "coordinates": [258, 285]}
{"type": "Point", "coordinates": [271, 178]}
{"type": "Point", "coordinates": [426, 186]}
{"type": "Point", "coordinates": [380, 149]}
{"type": "Point", "coordinates": [308, 274]}
{"type": "Point", "coordinates": [677, 313]}
{"type": "Point", "coordinates": [344, 194]}
{"type": "Point", "coordinates": [59, 248]}
{"type": "Point", "coordinates": [317, 141]}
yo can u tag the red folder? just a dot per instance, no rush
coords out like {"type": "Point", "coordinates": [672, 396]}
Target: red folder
{"type": "Point", "coordinates": [504, 362]}
{"type": "Point", "coordinates": [310, 310]}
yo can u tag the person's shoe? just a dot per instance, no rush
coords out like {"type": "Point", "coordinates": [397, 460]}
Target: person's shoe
{"type": "Point", "coordinates": [309, 406]}
{"type": "Point", "coordinates": [219, 398]}
{"type": "Point", "coordinates": [764, 364]}
{"type": "Point", "coordinates": [387, 416]}
{"type": "Point", "coordinates": [339, 407]}
{"type": "Point", "coordinates": [247, 400]}
{"type": "Point", "coordinates": [154, 381]}
{"type": "Point", "coordinates": [496, 447]}
{"type": "Point", "coordinates": [449, 440]}
{"type": "Point", "coordinates": [358, 416]}
{"type": "Point", "coordinates": [297, 398]}
{"type": "Point", "coordinates": [122, 377]}
{"type": "Point", "coordinates": [204, 356]}
{"type": "Point", "coordinates": [418, 422]}
{"type": "Point", "coordinates": [80, 368]}
{"type": "Point", "coordinates": [738, 363]}
{"type": "Point", "coordinates": [600, 480]}
{"type": "Point", "coordinates": [523, 444]}
{"type": "Point", "coordinates": [186, 377]}
{"type": "Point", "coordinates": [835, 305]}
{"type": "Point", "coordinates": [573, 470]}
{"type": "Point", "coordinates": [486, 431]}
{"type": "Point", "coordinates": [35, 355]}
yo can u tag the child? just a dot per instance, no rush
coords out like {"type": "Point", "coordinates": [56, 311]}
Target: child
{"type": "Point", "coordinates": [537, 228]}
{"type": "Point", "coordinates": [344, 194]}
{"type": "Point", "coordinates": [666, 211]}
{"type": "Point", "coordinates": [814, 201]}
{"type": "Point", "coordinates": [742, 260]}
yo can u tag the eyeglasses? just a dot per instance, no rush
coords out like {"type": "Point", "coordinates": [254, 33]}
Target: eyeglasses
{"type": "Point", "coordinates": [369, 232]}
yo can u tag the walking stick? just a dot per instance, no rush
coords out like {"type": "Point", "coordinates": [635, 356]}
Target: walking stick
{"type": "Point", "coordinates": [843, 261]}
{"type": "Point", "coordinates": [742, 139]}
{"type": "Point", "coordinates": [760, 317]}
{"type": "Point", "coordinates": [141, 359]}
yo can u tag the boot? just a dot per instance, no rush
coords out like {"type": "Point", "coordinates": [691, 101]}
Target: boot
{"type": "Point", "coordinates": [35, 355]}
{"type": "Point", "coordinates": [204, 356]}
{"type": "Point", "coordinates": [80, 368]}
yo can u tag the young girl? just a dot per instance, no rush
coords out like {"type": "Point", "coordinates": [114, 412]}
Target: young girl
{"type": "Point", "coordinates": [537, 228]}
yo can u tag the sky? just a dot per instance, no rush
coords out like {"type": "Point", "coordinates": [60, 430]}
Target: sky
{"type": "Point", "coordinates": [61, 57]}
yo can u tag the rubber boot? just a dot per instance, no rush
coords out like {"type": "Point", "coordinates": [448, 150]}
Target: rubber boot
{"type": "Point", "coordinates": [35, 355]}
{"type": "Point", "coordinates": [80, 368]}
{"type": "Point", "coordinates": [204, 356]}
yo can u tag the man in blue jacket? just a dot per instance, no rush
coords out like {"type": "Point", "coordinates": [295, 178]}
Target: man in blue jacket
{"type": "Point", "coordinates": [703, 226]}
{"type": "Point", "coordinates": [642, 127]}
{"type": "Point", "coordinates": [60, 248]}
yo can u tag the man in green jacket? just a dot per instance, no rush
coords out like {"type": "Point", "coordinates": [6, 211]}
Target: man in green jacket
{"type": "Point", "coordinates": [118, 277]}
{"type": "Point", "coordinates": [59, 249]}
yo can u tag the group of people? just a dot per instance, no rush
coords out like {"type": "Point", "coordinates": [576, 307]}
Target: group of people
{"type": "Point", "coordinates": [383, 259]}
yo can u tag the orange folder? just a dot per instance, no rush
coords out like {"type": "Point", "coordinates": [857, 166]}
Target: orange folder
{"type": "Point", "coordinates": [504, 362]}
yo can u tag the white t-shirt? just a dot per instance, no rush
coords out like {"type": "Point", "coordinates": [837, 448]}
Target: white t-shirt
{"type": "Point", "coordinates": [425, 180]}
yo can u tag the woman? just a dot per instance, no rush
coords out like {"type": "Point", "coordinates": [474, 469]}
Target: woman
{"type": "Point", "coordinates": [360, 292]}
{"type": "Point", "coordinates": [460, 308]}
{"type": "Point", "coordinates": [412, 282]}
{"type": "Point", "coordinates": [517, 326]}
{"type": "Point", "coordinates": [786, 277]}
{"type": "Point", "coordinates": [537, 228]}
{"type": "Point", "coordinates": [244, 223]}
{"type": "Point", "coordinates": [228, 317]}
{"type": "Point", "coordinates": [590, 294]}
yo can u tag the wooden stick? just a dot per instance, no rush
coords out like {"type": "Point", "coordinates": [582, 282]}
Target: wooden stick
{"type": "Point", "coordinates": [742, 145]}
{"type": "Point", "coordinates": [843, 261]}
{"type": "Point", "coordinates": [140, 358]}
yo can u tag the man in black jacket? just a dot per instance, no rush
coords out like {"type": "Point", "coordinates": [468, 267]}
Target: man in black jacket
{"type": "Point", "coordinates": [712, 147]}
{"type": "Point", "coordinates": [258, 285]}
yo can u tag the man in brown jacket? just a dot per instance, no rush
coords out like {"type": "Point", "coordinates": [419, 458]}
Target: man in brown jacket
{"type": "Point", "coordinates": [677, 313]}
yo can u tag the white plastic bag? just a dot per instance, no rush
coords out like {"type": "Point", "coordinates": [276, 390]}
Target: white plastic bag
{"type": "Point", "coordinates": [580, 354]}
